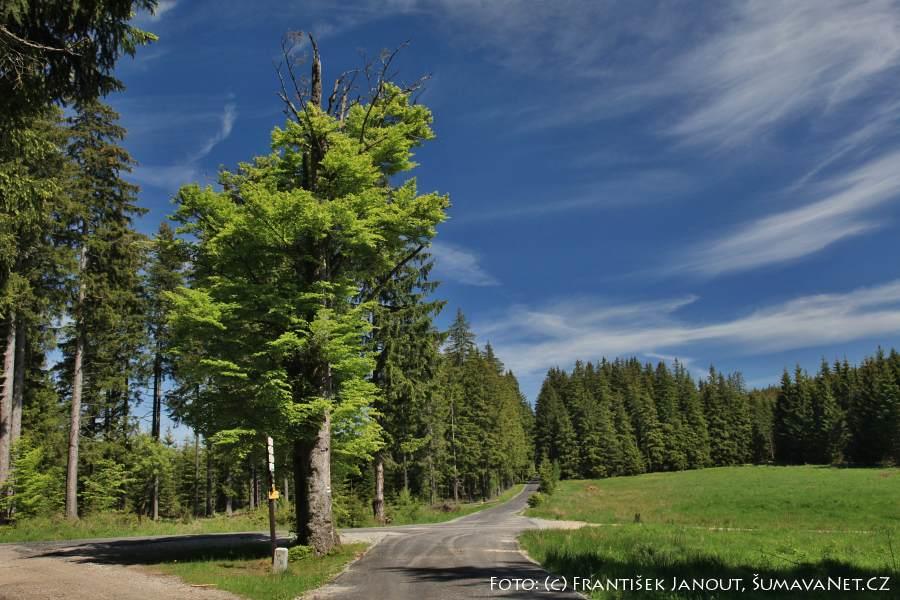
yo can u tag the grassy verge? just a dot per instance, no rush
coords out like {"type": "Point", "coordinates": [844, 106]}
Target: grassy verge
{"type": "Point", "coordinates": [420, 513]}
{"type": "Point", "coordinates": [778, 523]}
{"type": "Point", "coordinates": [129, 525]}
{"type": "Point", "coordinates": [248, 574]}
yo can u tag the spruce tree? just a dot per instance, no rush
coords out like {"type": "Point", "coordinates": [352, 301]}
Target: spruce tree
{"type": "Point", "coordinates": [163, 275]}
{"type": "Point", "coordinates": [406, 344]}
{"type": "Point", "coordinates": [106, 308]}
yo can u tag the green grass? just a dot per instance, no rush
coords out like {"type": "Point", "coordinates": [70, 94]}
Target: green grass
{"type": "Point", "coordinates": [249, 574]}
{"type": "Point", "coordinates": [777, 522]}
{"type": "Point", "coordinates": [108, 525]}
{"type": "Point", "coordinates": [444, 512]}
{"type": "Point", "coordinates": [740, 497]}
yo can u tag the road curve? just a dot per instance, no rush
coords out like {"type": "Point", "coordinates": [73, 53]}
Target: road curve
{"type": "Point", "coordinates": [442, 561]}
{"type": "Point", "coordinates": [446, 561]}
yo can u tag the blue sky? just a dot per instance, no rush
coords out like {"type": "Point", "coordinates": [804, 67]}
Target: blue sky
{"type": "Point", "coordinates": [713, 181]}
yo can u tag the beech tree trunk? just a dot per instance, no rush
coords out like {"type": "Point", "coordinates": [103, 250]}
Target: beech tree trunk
{"type": "Point", "coordinates": [6, 398]}
{"type": "Point", "coordinates": [312, 483]}
{"type": "Point", "coordinates": [378, 501]}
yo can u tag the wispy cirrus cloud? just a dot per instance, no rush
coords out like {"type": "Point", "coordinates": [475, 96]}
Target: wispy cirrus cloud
{"type": "Point", "coordinates": [171, 176]}
{"type": "Point", "coordinates": [533, 340]}
{"type": "Point", "coordinates": [639, 187]}
{"type": "Point", "coordinates": [167, 177]}
{"type": "Point", "coordinates": [461, 265]}
{"type": "Point", "coordinates": [229, 115]}
{"type": "Point", "coordinates": [778, 60]}
{"type": "Point", "coordinates": [844, 209]}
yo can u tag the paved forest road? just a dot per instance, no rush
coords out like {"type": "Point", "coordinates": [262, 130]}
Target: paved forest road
{"type": "Point", "coordinates": [443, 561]}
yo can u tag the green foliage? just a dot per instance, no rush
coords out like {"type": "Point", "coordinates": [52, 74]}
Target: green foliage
{"type": "Point", "coordinates": [299, 552]}
{"type": "Point", "coordinates": [105, 487]}
{"type": "Point", "coordinates": [36, 488]}
{"type": "Point", "coordinates": [85, 41]}
{"type": "Point", "coordinates": [536, 499]}
{"type": "Point", "coordinates": [548, 473]}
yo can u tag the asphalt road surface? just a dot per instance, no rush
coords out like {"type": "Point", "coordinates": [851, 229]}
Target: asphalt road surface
{"type": "Point", "coordinates": [443, 561]}
{"type": "Point", "coordinates": [446, 561]}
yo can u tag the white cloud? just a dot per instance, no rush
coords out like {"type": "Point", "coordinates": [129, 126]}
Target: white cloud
{"type": "Point", "coordinates": [457, 264]}
{"type": "Point", "coordinates": [638, 187]}
{"type": "Point", "coordinates": [229, 114]}
{"type": "Point", "coordinates": [779, 59]}
{"type": "Point", "coordinates": [170, 177]}
{"type": "Point", "coordinates": [841, 212]}
{"type": "Point", "coordinates": [531, 341]}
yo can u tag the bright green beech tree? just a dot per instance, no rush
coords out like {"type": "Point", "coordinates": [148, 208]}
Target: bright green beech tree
{"type": "Point", "coordinates": [289, 259]}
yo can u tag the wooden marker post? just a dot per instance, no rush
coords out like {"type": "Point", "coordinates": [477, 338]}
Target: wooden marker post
{"type": "Point", "coordinates": [273, 494]}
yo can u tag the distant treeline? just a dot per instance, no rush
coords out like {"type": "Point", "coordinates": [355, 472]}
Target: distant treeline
{"type": "Point", "coordinates": [625, 417]}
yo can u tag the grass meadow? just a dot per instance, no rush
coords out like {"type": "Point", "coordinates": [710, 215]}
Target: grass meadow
{"type": "Point", "coordinates": [733, 522]}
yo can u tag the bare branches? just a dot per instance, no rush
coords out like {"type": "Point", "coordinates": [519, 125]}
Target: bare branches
{"type": "Point", "coordinates": [70, 49]}
{"type": "Point", "coordinates": [343, 87]}
{"type": "Point", "coordinates": [19, 56]}
{"type": "Point", "coordinates": [383, 77]}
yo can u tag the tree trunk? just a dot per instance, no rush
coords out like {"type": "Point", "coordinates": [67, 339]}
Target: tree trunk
{"type": "Point", "coordinates": [209, 483]}
{"type": "Point", "coordinates": [312, 483]}
{"type": "Point", "coordinates": [15, 426]}
{"type": "Point", "coordinates": [254, 487]}
{"type": "Point", "coordinates": [229, 497]}
{"type": "Point", "coordinates": [453, 446]}
{"type": "Point", "coordinates": [196, 474]}
{"type": "Point", "coordinates": [157, 396]}
{"type": "Point", "coordinates": [433, 485]}
{"type": "Point", "coordinates": [6, 398]}
{"type": "Point", "coordinates": [378, 501]}
{"type": "Point", "coordinates": [126, 409]}
{"type": "Point", "coordinates": [287, 496]}
{"type": "Point", "coordinates": [74, 432]}
{"type": "Point", "coordinates": [155, 427]}
{"type": "Point", "coordinates": [77, 384]}
{"type": "Point", "coordinates": [405, 473]}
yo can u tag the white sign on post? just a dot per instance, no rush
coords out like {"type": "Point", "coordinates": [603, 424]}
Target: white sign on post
{"type": "Point", "coordinates": [271, 448]}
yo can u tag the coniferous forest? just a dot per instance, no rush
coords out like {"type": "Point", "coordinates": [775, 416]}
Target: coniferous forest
{"type": "Point", "coordinates": [625, 417]}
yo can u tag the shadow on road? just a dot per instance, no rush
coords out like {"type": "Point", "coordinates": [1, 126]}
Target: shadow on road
{"type": "Point", "coordinates": [166, 549]}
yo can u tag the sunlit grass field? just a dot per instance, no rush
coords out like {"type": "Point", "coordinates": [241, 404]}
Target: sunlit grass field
{"type": "Point", "coordinates": [784, 522]}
